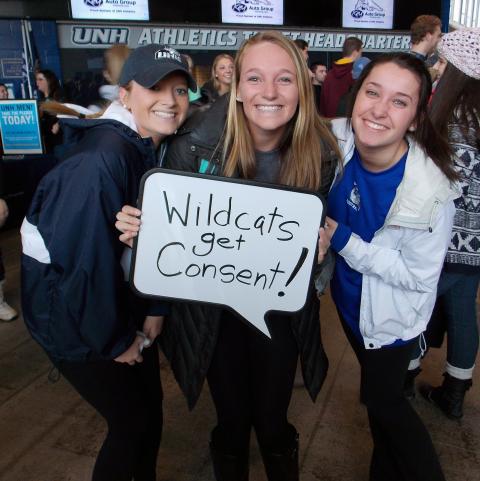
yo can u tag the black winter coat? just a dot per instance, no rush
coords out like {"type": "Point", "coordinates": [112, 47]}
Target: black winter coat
{"type": "Point", "coordinates": [190, 332]}
{"type": "Point", "coordinates": [75, 301]}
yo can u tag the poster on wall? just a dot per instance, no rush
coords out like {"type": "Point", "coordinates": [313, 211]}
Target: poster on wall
{"type": "Point", "coordinates": [20, 127]}
{"type": "Point", "coordinates": [110, 9]}
{"type": "Point", "coordinates": [259, 12]}
{"type": "Point", "coordinates": [368, 14]}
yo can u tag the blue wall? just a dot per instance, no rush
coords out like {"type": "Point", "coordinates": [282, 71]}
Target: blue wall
{"type": "Point", "coordinates": [44, 45]}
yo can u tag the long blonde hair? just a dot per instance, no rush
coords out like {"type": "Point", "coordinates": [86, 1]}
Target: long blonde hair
{"type": "Point", "coordinates": [306, 136]}
{"type": "Point", "coordinates": [216, 83]}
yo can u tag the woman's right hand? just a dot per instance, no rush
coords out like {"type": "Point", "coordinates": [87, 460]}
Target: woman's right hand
{"type": "Point", "coordinates": [134, 353]}
{"type": "Point", "coordinates": [128, 222]}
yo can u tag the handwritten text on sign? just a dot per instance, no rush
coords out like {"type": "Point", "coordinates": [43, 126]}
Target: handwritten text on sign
{"type": "Point", "coordinates": [241, 245]}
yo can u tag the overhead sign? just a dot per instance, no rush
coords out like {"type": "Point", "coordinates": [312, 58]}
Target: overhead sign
{"type": "Point", "coordinates": [75, 35]}
{"type": "Point", "coordinates": [259, 12]}
{"type": "Point", "coordinates": [20, 127]}
{"type": "Point", "coordinates": [247, 246]}
{"type": "Point", "coordinates": [110, 9]}
{"type": "Point", "coordinates": [368, 14]}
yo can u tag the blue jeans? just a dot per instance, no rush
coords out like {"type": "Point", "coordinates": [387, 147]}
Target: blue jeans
{"type": "Point", "coordinates": [459, 293]}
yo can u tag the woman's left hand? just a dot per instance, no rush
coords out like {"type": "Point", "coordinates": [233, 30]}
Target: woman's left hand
{"type": "Point", "coordinates": [330, 227]}
{"type": "Point", "coordinates": [325, 235]}
{"type": "Point", "coordinates": [323, 244]}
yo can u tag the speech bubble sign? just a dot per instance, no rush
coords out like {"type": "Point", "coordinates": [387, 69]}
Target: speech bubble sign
{"type": "Point", "coordinates": [240, 244]}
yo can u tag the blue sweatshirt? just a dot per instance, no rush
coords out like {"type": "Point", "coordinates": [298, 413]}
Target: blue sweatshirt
{"type": "Point", "coordinates": [359, 202]}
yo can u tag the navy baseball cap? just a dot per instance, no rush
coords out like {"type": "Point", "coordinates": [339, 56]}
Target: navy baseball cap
{"type": "Point", "coordinates": [149, 64]}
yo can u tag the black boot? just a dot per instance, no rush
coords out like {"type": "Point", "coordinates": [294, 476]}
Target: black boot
{"type": "Point", "coordinates": [409, 384]}
{"type": "Point", "coordinates": [229, 467]}
{"type": "Point", "coordinates": [282, 466]}
{"type": "Point", "coordinates": [449, 396]}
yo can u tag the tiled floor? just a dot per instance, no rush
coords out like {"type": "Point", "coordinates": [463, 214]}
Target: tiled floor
{"type": "Point", "coordinates": [47, 433]}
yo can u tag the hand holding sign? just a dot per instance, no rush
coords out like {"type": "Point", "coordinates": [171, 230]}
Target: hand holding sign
{"type": "Point", "coordinates": [247, 246]}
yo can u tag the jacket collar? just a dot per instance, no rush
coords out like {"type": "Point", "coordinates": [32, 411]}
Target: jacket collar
{"type": "Point", "coordinates": [116, 111]}
{"type": "Point", "coordinates": [422, 188]}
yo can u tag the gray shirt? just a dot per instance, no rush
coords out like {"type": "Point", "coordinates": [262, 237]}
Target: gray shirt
{"type": "Point", "coordinates": [268, 166]}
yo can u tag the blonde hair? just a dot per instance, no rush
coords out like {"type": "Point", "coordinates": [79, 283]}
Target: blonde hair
{"type": "Point", "coordinates": [216, 83]}
{"type": "Point", "coordinates": [115, 57]}
{"type": "Point", "coordinates": [305, 138]}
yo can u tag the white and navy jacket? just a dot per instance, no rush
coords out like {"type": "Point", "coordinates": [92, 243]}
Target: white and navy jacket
{"type": "Point", "coordinates": [75, 301]}
{"type": "Point", "coordinates": [401, 265]}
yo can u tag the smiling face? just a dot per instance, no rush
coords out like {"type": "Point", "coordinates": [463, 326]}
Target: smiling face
{"type": "Point", "coordinates": [159, 111]}
{"type": "Point", "coordinates": [224, 71]}
{"type": "Point", "coordinates": [384, 110]}
{"type": "Point", "coordinates": [268, 90]}
{"type": "Point", "coordinates": [3, 92]}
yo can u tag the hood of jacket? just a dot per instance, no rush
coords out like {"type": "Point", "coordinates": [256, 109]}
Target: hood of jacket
{"type": "Point", "coordinates": [341, 69]}
{"type": "Point", "coordinates": [116, 117]}
{"type": "Point", "coordinates": [423, 185]}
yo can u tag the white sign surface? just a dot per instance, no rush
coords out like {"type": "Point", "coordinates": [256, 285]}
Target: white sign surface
{"type": "Point", "coordinates": [110, 9]}
{"type": "Point", "coordinates": [368, 13]}
{"type": "Point", "coordinates": [241, 245]}
{"type": "Point", "coordinates": [266, 12]}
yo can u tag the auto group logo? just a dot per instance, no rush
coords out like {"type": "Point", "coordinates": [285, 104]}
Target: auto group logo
{"type": "Point", "coordinates": [367, 8]}
{"type": "Point", "coordinates": [241, 6]}
{"type": "Point", "coordinates": [93, 3]}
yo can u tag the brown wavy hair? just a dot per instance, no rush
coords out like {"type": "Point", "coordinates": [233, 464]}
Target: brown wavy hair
{"type": "Point", "coordinates": [456, 99]}
{"type": "Point", "coordinates": [306, 137]}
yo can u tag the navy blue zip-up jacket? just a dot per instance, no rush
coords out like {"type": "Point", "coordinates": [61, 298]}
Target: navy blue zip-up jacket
{"type": "Point", "coordinates": [75, 300]}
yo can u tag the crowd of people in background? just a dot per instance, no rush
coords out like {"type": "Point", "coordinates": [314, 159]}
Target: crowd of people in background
{"type": "Point", "coordinates": [399, 165]}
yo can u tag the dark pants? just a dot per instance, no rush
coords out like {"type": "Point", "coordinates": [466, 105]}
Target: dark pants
{"type": "Point", "coordinates": [458, 293]}
{"type": "Point", "coordinates": [251, 380]}
{"type": "Point", "coordinates": [403, 449]}
{"type": "Point", "coordinates": [130, 400]}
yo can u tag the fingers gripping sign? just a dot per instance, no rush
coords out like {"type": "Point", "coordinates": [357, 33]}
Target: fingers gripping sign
{"type": "Point", "coordinates": [240, 244]}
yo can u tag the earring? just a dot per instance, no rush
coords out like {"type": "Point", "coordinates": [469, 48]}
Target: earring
{"type": "Point", "coordinates": [238, 99]}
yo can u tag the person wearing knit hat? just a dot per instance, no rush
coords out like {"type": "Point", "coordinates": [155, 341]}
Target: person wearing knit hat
{"type": "Point", "coordinates": [461, 48]}
{"type": "Point", "coordinates": [455, 112]}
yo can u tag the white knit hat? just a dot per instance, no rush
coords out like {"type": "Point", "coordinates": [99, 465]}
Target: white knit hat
{"type": "Point", "coordinates": [462, 49]}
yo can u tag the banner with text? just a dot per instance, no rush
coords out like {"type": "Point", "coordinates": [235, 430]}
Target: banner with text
{"type": "Point", "coordinates": [244, 245]}
{"type": "Point", "coordinates": [20, 127]}
{"type": "Point", "coordinates": [74, 35]}
{"type": "Point", "coordinates": [368, 14]}
{"type": "Point", "coordinates": [260, 12]}
{"type": "Point", "coordinates": [110, 9]}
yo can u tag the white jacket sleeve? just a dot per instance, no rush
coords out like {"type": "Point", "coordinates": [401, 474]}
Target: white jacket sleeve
{"type": "Point", "coordinates": [415, 265]}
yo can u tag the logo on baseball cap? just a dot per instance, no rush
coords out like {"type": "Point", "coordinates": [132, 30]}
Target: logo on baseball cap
{"type": "Point", "coordinates": [149, 64]}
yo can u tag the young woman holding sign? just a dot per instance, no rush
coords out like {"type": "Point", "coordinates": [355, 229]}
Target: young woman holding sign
{"type": "Point", "coordinates": [76, 303]}
{"type": "Point", "coordinates": [390, 221]}
{"type": "Point", "coordinates": [272, 134]}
